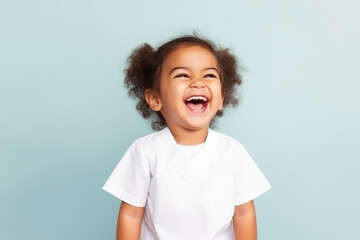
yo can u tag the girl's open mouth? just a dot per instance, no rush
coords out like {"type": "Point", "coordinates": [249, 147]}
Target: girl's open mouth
{"type": "Point", "coordinates": [197, 104]}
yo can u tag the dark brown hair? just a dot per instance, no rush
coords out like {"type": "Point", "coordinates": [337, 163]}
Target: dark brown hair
{"type": "Point", "coordinates": [144, 69]}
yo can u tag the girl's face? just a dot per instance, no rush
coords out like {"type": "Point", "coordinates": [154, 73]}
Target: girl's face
{"type": "Point", "coordinates": [190, 89]}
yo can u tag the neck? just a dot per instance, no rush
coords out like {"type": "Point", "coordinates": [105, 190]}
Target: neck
{"type": "Point", "coordinates": [188, 136]}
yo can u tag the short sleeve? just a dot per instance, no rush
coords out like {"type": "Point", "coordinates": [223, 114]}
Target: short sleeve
{"type": "Point", "coordinates": [250, 182]}
{"type": "Point", "coordinates": [130, 179]}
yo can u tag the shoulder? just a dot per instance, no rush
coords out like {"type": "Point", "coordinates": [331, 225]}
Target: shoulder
{"type": "Point", "coordinates": [224, 141]}
{"type": "Point", "coordinates": [151, 141]}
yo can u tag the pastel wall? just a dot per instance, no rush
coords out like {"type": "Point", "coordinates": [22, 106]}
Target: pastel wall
{"type": "Point", "coordinates": [65, 119]}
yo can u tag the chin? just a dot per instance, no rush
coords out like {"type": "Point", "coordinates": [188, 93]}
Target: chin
{"type": "Point", "coordinates": [198, 125]}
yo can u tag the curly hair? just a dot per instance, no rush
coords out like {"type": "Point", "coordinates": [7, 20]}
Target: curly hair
{"type": "Point", "coordinates": [144, 69]}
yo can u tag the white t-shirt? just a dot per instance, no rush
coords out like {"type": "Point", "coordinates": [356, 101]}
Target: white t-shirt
{"type": "Point", "coordinates": [189, 192]}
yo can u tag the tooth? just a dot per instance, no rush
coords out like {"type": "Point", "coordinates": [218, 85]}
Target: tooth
{"type": "Point", "coordinates": [196, 98]}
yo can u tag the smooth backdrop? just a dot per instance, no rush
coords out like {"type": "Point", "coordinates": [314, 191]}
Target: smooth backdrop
{"type": "Point", "coordinates": [66, 120]}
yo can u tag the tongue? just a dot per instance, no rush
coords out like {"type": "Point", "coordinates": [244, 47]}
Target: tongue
{"type": "Point", "coordinates": [195, 107]}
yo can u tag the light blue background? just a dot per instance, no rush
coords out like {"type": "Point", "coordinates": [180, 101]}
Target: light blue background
{"type": "Point", "coordinates": [65, 119]}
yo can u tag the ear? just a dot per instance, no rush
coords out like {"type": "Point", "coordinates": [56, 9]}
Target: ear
{"type": "Point", "coordinates": [153, 99]}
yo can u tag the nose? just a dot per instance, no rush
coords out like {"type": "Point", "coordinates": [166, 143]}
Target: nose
{"type": "Point", "coordinates": [197, 83]}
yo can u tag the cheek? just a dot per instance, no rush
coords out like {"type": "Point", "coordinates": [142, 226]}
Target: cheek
{"type": "Point", "coordinates": [220, 91]}
{"type": "Point", "coordinates": [176, 89]}
{"type": "Point", "coordinates": [220, 94]}
{"type": "Point", "coordinates": [172, 95]}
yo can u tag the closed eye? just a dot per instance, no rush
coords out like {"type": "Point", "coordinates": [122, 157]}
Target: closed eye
{"type": "Point", "coordinates": [181, 75]}
{"type": "Point", "coordinates": [210, 75]}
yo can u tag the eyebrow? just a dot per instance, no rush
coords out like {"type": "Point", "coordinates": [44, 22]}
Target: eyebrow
{"type": "Point", "coordinates": [186, 68]}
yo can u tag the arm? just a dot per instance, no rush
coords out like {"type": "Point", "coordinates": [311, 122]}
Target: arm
{"type": "Point", "coordinates": [129, 222]}
{"type": "Point", "coordinates": [244, 222]}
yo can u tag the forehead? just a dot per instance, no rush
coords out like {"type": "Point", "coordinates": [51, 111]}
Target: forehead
{"type": "Point", "coordinates": [190, 56]}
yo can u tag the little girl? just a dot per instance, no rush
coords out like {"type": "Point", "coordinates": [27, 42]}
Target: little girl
{"type": "Point", "coordinates": [185, 181]}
